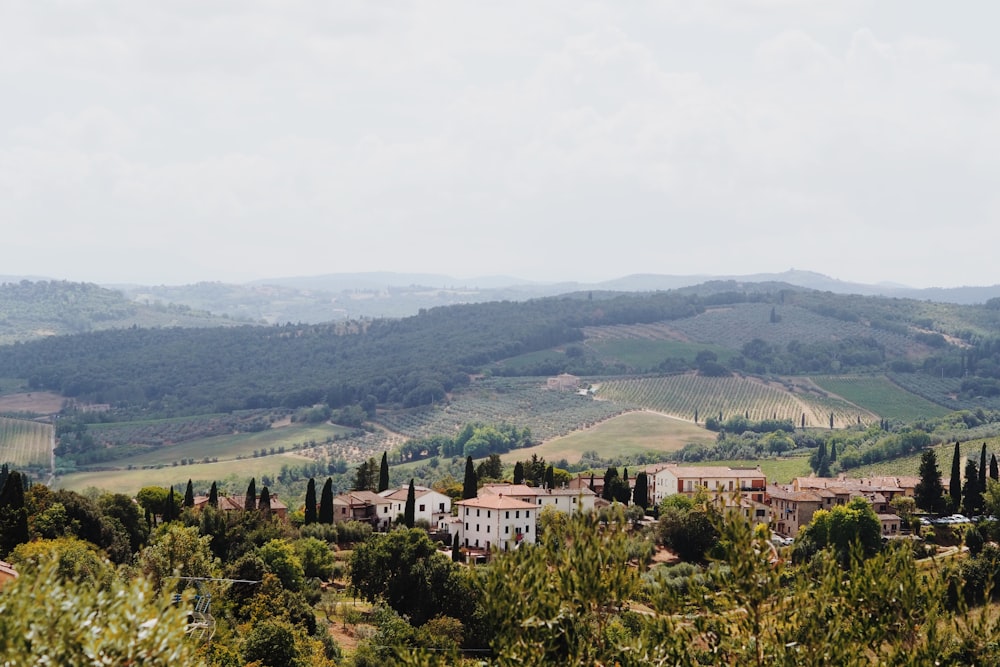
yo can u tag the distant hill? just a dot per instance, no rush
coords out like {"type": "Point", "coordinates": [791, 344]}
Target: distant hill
{"type": "Point", "coordinates": [30, 310]}
{"type": "Point", "coordinates": [341, 296]}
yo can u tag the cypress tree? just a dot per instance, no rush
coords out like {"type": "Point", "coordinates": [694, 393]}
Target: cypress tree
{"type": "Point", "coordinates": [470, 487]}
{"type": "Point", "coordinates": [213, 495]}
{"type": "Point", "coordinates": [13, 514]}
{"type": "Point", "coordinates": [955, 484]}
{"type": "Point", "coordinates": [640, 494]}
{"type": "Point", "coordinates": [972, 497]}
{"type": "Point", "coordinates": [610, 475]}
{"type": "Point", "coordinates": [929, 493]}
{"type": "Point", "coordinates": [696, 415]}
{"type": "Point", "coordinates": [171, 513]}
{"type": "Point", "coordinates": [265, 503]}
{"type": "Point", "coordinates": [189, 495]}
{"type": "Point", "coordinates": [982, 469]}
{"type": "Point", "coordinates": [994, 472]}
{"type": "Point", "coordinates": [456, 549]}
{"type": "Point", "coordinates": [383, 473]}
{"type": "Point", "coordinates": [833, 452]}
{"type": "Point", "coordinates": [550, 477]}
{"type": "Point", "coordinates": [325, 514]}
{"type": "Point", "coordinates": [4, 472]}
{"type": "Point", "coordinates": [409, 510]}
{"type": "Point", "coordinates": [519, 473]}
{"type": "Point", "coordinates": [250, 501]}
{"type": "Point", "coordinates": [592, 485]}
{"type": "Point", "coordinates": [310, 502]}
{"type": "Point", "coordinates": [831, 420]}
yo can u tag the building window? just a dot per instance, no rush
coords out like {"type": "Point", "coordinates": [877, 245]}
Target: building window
{"type": "Point", "coordinates": [507, 514]}
{"type": "Point", "coordinates": [527, 515]}
{"type": "Point", "coordinates": [477, 530]}
{"type": "Point", "coordinates": [477, 512]}
{"type": "Point", "coordinates": [423, 507]}
{"type": "Point", "coordinates": [517, 514]}
{"type": "Point", "coordinates": [488, 514]}
{"type": "Point", "coordinates": [466, 511]}
{"type": "Point", "coordinates": [506, 530]}
{"type": "Point", "coordinates": [539, 501]}
{"type": "Point", "coordinates": [527, 528]}
{"type": "Point", "coordinates": [440, 507]}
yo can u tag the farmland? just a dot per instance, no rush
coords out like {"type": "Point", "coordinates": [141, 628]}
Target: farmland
{"type": "Point", "coordinates": [881, 396]}
{"type": "Point", "coordinates": [640, 355]}
{"type": "Point", "coordinates": [522, 402]}
{"type": "Point", "coordinates": [25, 444]}
{"type": "Point", "coordinates": [625, 435]}
{"type": "Point", "coordinates": [910, 465]}
{"type": "Point", "coordinates": [682, 395]}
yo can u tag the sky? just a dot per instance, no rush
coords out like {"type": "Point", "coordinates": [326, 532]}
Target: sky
{"type": "Point", "coordinates": [184, 141]}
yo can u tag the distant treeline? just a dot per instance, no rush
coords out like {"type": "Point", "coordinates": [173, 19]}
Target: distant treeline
{"type": "Point", "coordinates": [409, 362]}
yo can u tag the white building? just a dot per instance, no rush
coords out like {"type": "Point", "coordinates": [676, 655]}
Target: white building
{"type": "Point", "coordinates": [495, 521]}
{"type": "Point", "coordinates": [668, 479]}
{"type": "Point", "coordinates": [570, 501]}
{"type": "Point", "coordinates": [429, 505]}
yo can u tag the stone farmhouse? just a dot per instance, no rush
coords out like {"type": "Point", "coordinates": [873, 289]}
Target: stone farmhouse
{"type": "Point", "coordinates": [366, 506]}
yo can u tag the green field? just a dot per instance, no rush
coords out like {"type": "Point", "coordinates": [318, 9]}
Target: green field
{"type": "Point", "coordinates": [881, 396]}
{"type": "Point", "coordinates": [229, 447]}
{"type": "Point", "coordinates": [627, 434]}
{"type": "Point", "coordinates": [25, 443]}
{"type": "Point", "coordinates": [238, 472]}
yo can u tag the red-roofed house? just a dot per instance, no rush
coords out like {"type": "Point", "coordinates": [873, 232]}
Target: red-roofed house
{"type": "Point", "coordinates": [495, 521]}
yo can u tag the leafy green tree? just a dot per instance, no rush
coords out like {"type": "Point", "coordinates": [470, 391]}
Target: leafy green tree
{"type": "Point", "coordinates": [404, 568]}
{"type": "Point", "coordinates": [490, 468]}
{"type": "Point", "coordinates": [270, 644]}
{"type": "Point", "coordinates": [50, 619]}
{"type": "Point", "coordinates": [955, 485]}
{"type": "Point", "coordinates": [310, 511]}
{"type": "Point", "coordinates": [687, 528]}
{"type": "Point", "coordinates": [365, 477]}
{"type": "Point", "coordinates": [383, 473]}
{"type": "Point", "coordinates": [153, 499]}
{"type": "Point", "coordinates": [325, 514]}
{"type": "Point", "coordinates": [409, 510]}
{"type": "Point", "coordinates": [841, 528]}
{"type": "Point", "coordinates": [316, 557]}
{"type": "Point", "coordinates": [120, 507]}
{"type": "Point", "coordinates": [281, 560]}
{"type": "Point", "coordinates": [176, 549]}
{"type": "Point", "coordinates": [929, 492]}
{"type": "Point", "coordinates": [470, 487]}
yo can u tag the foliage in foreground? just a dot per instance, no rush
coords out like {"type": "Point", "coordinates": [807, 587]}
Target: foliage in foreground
{"type": "Point", "coordinates": [46, 619]}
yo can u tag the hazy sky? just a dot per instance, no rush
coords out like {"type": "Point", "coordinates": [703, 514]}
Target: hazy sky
{"type": "Point", "coordinates": [179, 141]}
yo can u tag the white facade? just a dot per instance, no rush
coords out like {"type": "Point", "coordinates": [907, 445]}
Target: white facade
{"type": "Point", "coordinates": [495, 522]}
{"type": "Point", "coordinates": [570, 501]}
{"type": "Point", "coordinates": [668, 479]}
{"type": "Point", "coordinates": [429, 505]}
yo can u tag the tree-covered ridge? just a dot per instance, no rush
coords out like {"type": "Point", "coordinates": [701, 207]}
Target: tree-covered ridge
{"type": "Point", "coordinates": [30, 310]}
{"type": "Point", "coordinates": [409, 362]}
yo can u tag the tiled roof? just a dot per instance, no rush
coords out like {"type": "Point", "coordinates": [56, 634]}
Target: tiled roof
{"type": "Point", "coordinates": [496, 502]}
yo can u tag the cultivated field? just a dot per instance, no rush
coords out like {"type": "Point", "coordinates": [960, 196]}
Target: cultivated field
{"type": "Point", "coordinates": [25, 443]}
{"type": "Point", "coordinates": [522, 402]}
{"type": "Point", "coordinates": [37, 402]}
{"type": "Point", "coordinates": [682, 395]}
{"type": "Point", "coordinates": [627, 434]}
{"type": "Point", "coordinates": [641, 355]}
{"type": "Point", "coordinates": [881, 396]}
{"type": "Point", "coordinates": [235, 474]}
{"type": "Point", "coordinates": [910, 465]}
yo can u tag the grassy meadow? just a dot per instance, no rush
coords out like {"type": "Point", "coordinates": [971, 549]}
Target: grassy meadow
{"type": "Point", "coordinates": [630, 433]}
{"type": "Point", "coordinates": [642, 354]}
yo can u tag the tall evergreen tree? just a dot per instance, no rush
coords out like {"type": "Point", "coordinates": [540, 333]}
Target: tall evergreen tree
{"type": "Point", "coordinates": [593, 486]}
{"type": "Point", "coordinates": [640, 494]}
{"type": "Point", "coordinates": [982, 469]}
{"type": "Point", "coordinates": [972, 497]}
{"type": "Point", "coordinates": [519, 473]}
{"type": "Point", "coordinates": [250, 501]}
{"type": "Point", "coordinates": [833, 452]}
{"type": "Point", "coordinates": [470, 487]}
{"type": "Point", "coordinates": [383, 473]}
{"type": "Point", "coordinates": [994, 471]}
{"type": "Point", "coordinates": [409, 510]}
{"type": "Point", "coordinates": [929, 492]}
{"type": "Point", "coordinates": [955, 484]}
{"type": "Point", "coordinates": [189, 495]}
{"type": "Point", "coordinates": [325, 514]}
{"type": "Point", "coordinates": [213, 495]}
{"type": "Point", "coordinates": [265, 503]}
{"type": "Point", "coordinates": [171, 512]}
{"type": "Point", "coordinates": [4, 472]}
{"type": "Point", "coordinates": [310, 502]}
{"type": "Point", "coordinates": [456, 549]}
{"type": "Point", "coordinates": [365, 479]}
{"type": "Point", "coordinates": [550, 477]}
{"type": "Point", "coordinates": [13, 514]}
{"type": "Point", "coordinates": [610, 475]}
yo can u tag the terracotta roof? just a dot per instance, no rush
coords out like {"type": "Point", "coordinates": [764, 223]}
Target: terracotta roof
{"type": "Point", "coordinates": [510, 489]}
{"type": "Point", "coordinates": [798, 496]}
{"type": "Point", "coordinates": [360, 498]}
{"type": "Point", "coordinates": [237, 502]}
{"type": "Point", "coordinates": [496, 502]}
{"type": "Point", "coordinates": [712, 471]}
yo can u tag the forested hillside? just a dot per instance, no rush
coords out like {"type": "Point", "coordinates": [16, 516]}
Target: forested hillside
{"type": "Point", "coordinates": [765, 330]}
{"type": "Point", "coordinates": [30, 310]}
